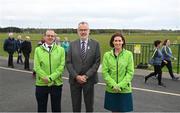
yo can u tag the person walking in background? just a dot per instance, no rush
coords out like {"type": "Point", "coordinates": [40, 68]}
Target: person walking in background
{"type": "Point", "coordinates": [10, 47]}
{"type": "Point", "coordinates": [49, 61]}
{"type": "Point", "coordinates": [118, 72]}
{"type": "Point", "coordinates": [26, 50]}
{"type": "Point", "coordinates": [65, 45]}
{"type": "Point", "coordinates": [167, 54]}
{"type": "Point", "coordinates": [83, 60]}
{"type": "Point", "coordinates": [19, 51]}
{"type": "Point", "coordinates": [158, 59]}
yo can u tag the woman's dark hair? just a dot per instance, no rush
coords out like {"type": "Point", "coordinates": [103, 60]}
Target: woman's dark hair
{"type": "Point", "coordinates": [157, 42]}
{"type": "Point", "coordinates": [117, 35]}
{"type": "Point", "coordinates": [165, 41]}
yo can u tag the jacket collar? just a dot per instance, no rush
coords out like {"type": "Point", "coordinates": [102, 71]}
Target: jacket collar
{"type": "Point", "coordinates": [45, 47]}
{"type": "Point", "coordinates": [122, 52]}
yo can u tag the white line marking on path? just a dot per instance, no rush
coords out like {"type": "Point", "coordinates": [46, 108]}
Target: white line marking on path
{"type": "Point", "coordinates": [18, 70]}
{"type": "Point", "coordinates": [139, 89]}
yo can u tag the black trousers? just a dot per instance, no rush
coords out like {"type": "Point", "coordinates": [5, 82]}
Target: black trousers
{"type": "Point", "coordinates": [76, 96]}
{"type": "Point", "coordinates": [169, 66]}
{"type": "Point", "coordinates": [10, 59]}
{"type": "Point", "coordinates": [42, 93]}
{"type": "Point", "coordinates": [26, 61]}
{"type": "Point", "coordinates": [157, 70]}
{"type": "Point", "coordinates": [19, 58]}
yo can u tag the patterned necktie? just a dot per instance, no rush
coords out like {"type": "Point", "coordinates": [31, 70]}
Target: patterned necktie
{"type": "Point", "coordinates": [83, 52]}
{"type": "Point", "coordinates": [49, 48]}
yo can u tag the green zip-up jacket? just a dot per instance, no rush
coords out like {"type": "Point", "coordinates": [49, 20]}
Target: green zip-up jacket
{"type": "Point", "coordinates": [118, 71]}
{"type": "Point", "coordinates": [49, 64]}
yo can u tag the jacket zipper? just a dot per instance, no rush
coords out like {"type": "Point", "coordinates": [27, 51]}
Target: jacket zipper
{"type": "Point", "coordinates": [117, 69]}
{"type": "Point", "coordinates": [50, 61]}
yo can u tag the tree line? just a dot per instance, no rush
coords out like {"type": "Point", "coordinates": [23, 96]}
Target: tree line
{"type": "Point", "coordinates": [93, 31]}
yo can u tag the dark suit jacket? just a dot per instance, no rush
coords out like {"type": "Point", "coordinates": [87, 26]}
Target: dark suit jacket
{"type": "Point", "coordinates": [89, 66]}
{"type": "Point", "coordinates": [10, 45]}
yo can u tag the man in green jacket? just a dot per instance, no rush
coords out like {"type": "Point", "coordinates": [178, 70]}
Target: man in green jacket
{"type": "Point", "coordinates": [49, 61]}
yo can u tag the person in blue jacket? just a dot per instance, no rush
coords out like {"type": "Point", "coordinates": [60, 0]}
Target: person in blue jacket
{"type": "Point", "coordinates": [10, 47]}
{"type": "Point", "coordinates": [65, 44]}
{"type": "Point", "coordinates": [158, 59]}
{"type": "Point", "coordinates": [167, 54]}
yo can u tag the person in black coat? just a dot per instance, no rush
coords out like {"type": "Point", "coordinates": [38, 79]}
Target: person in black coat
{"type": "Point", "coordinates": [26, 50]}
{"type": "Point", "coordinates": [10, 47]}
{"type": "Point", "coordinates": [18, 44]}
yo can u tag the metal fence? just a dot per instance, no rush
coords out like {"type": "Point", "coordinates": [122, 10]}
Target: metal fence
{"type": "Point", "coordinates": [142, 53]}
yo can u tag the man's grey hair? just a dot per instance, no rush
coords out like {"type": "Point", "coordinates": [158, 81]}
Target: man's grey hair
{"type": "Point", "coordinates": [83, 23]}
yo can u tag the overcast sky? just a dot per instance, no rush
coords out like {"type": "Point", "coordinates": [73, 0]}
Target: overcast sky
{"type": "Point", "coordinates": [118, 14]}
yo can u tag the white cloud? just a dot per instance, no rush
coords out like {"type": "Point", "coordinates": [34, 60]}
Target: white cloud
{"type": "Point", "coordinates": [154, 14]}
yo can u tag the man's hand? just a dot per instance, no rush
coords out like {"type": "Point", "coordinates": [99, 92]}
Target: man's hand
{"type": "Point", "coordinates": [45, 79]}
{"type": "Point", "coordinates": [85, 77]}
{"type": "Point", "coordinates": [81, 79]}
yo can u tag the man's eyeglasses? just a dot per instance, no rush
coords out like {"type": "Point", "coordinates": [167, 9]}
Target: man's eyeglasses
{"type": "Point", "coordinates": [81, 30]}
{"type": "Point", "coordinates": [50, 35]}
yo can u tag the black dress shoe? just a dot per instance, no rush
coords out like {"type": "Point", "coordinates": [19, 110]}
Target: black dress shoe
{"type": "Point", "coordinates": [27, 69]}
{"type": "Point", "coordinates": [162, 85]}
{"type": "Point", "coordinates": [175, 78]}
{"type": "Point", "coordinates": [11, 66]}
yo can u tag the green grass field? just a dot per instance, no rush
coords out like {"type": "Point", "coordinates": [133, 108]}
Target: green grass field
{"type": "Point", "coordinates": [103, 39]}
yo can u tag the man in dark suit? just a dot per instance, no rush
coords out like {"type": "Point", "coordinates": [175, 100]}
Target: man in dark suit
{"type": "Point", "coordinates": [10, 47]}
{"type": "Point", "coordinates": [83, 61]}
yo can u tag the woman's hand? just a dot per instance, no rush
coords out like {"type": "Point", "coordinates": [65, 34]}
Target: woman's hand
{"type": "Point", "coordinates": [165, 61]}
{"type": "Point", "coordinates": [116, 89]}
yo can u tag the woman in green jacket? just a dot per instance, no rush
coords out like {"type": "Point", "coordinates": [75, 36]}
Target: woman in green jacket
{"type": "Point", "coordinates": [49, 61]}
{"type": "Point", "coordinates": [118, 71]}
